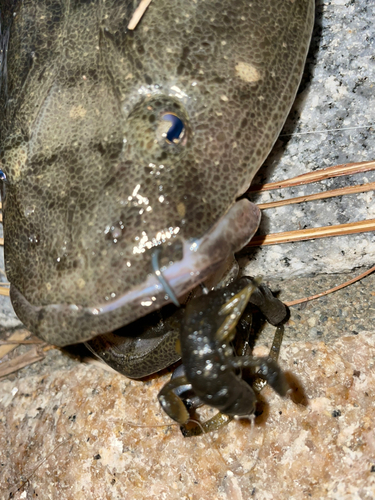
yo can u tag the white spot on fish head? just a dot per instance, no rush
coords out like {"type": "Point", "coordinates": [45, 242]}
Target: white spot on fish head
{"type": "Point", "coordinates": [247, 72]}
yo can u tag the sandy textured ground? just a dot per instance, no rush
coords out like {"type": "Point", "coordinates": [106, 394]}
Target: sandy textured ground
{"type": "Point", "coordinates": [69, 430]}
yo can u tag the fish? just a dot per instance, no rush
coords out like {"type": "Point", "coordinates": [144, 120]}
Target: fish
{"type": "Point", "coordinates": [126, 154]}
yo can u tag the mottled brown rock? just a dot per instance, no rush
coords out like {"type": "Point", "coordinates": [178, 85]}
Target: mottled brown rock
{"type": "Point", "coordinates": [99, 435]}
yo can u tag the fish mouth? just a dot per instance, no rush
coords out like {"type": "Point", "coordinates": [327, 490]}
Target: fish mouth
{"type": "Point", "coordinates": [64, 324]}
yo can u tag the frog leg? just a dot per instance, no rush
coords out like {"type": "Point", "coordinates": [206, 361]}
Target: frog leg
{"type": "Point", "coordinates": [276, 313]}
{"type": "Point", "coordinates": [260, 381]}
{"type": "Point", "coordinates": [276, 344]}
{"type": "Point", "coordinates": [176, 410]}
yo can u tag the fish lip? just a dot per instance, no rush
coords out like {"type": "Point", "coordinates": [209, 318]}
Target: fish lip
{"type": "Point", "coordinates": [63, 324]}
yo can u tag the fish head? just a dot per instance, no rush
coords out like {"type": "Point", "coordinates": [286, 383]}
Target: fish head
{"type": "Point", "coordinates": [127, 152]}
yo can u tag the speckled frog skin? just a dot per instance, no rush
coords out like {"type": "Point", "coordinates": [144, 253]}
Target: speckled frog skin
{"type": "Point", "coordinates": [94, 185]}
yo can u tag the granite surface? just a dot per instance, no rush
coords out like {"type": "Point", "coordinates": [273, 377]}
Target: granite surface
{"type": "Point", "coordinates": [332, 122]}
{"type": "Point", "coordinates": [72, 430]}
{"type": "Point", "coordinates": [68, 430]}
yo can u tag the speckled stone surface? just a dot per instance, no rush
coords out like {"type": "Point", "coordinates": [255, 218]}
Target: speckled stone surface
{"type": "Point", "coordinates": [69, 431]}
{"type": "Point", "coordinates": [76, 431]}
{"type": "Point", "coordinates": [332, 122]}
{"type": "Point", "coordinates": [349, 311]}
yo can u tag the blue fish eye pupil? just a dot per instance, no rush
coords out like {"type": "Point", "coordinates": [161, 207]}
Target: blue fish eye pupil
{"type": "Point", "coordinates": [3, 177]}
{"type": "Point", "coordinates": [176, 131]}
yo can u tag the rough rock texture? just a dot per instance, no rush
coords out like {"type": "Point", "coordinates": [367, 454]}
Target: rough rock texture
{"type": "Point", "coordinates": [69, 430]}
{"type": "Point", "coordinates": [332, 122]}
{"type": "Point", "coordinates": [73, 433]}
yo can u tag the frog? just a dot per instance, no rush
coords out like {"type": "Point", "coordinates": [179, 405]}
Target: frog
{"type": "Point", "coordinates": [126, 156]}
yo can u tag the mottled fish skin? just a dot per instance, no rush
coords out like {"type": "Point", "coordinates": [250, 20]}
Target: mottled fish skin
{"type": "Point", "coordinates": [93, 186]}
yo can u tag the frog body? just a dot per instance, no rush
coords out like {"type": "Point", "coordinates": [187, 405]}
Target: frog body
{"type": "Point", "coordinates": [116, 143]}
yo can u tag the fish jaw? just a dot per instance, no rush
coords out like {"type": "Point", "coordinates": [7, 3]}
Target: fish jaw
{"type": "Point", "coordinates": [64, 324]}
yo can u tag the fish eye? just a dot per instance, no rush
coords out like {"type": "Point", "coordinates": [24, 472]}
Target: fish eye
{"type": "Point", "coordinates": [3, 177]}
{"type": "Point", "coordinates": [158, 126]}
{"type": "Point", "coordinates": [175, 132]}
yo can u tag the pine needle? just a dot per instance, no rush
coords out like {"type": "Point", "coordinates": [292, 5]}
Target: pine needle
{"type": "Point", "coordinates": [22, 483]}
{"type": "Point", "coordinates": [4, 290]}
{"type": "Point", "coordinates": [138, 13]}
{"type": "Point", "coordinates": [34, 340]}
{"type": "Point", "coordinates": [13, 365]}
{"type": "Point", "coordinates": [318, 175]}
{"type": "Point", "coordinates": [13, 341]}
{"type": "Point", "coordinates": [331, 290]}
{"type": "Point", "coordinates": [319, 196]}
{"type": "Point", "coordinates": [314, 233]}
